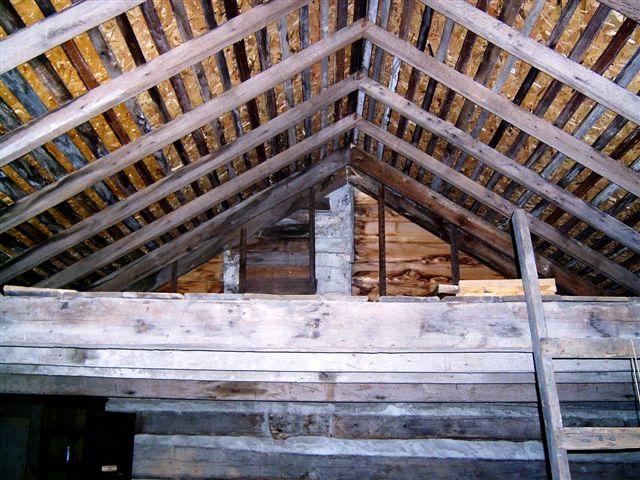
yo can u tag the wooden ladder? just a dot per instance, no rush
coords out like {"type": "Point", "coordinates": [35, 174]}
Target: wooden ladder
{"type": "Point", "coordinates": [559, 439]}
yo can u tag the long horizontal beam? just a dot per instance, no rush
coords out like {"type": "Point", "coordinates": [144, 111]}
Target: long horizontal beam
{"type": "Point", "coordinates": [212, 234]}
{"type": "Point", "coordinates": [40, 37]}
{"type": "Point", "coordinates": [126, 155]}
{"type": "Point", "coordinates": [171, 183]}
{"type": "Point", "coordinates": [462, 218]}
{"type": "Point", "coordinates": [290, 325]}
{"type": "Point", "coordinates": [197, 206]}
{"type": "Point", "coordinates": [487, 197]}
{"type": "Point", "coordinates": [117, 90]}
{"type": "Point", "coordinates": [535, 126]}
{"type": "Point", "coordinates": [208, 249]}
{"type": "Point", "coordinates": [571, 73]}
{"type": "Point", "coordinates": [529, 179]}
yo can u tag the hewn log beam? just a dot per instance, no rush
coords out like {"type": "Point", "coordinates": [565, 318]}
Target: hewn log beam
{"type": "Point", "coordinates": [537, 127]}
{"type": "Point", "coordinates": [171, 183]}
{"type": "Point", "coordinates": [529, 179]}
{"type": "Point", "coordinates": [576, 249]}
{"type": "Point", "coordinates": [570, 73]}
{"type": "Point", "coordinates": [322, 391]}
{"type": "Point", "coordinates": [40, 37]}
{"type": "Point", "coordinates": [289, 325]}
{"type": "Point", "coordinates": [118, 90]}
{"type": "Point", "coordinates": [462, 218]}
{"type": "Point", "coordinates": [179, 216]}
{"type": "Point", "coordinates": [213, 235]}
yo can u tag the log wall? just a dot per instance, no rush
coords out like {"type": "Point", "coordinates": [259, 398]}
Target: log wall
{"type": "Point", "coordinates": [193, 440]}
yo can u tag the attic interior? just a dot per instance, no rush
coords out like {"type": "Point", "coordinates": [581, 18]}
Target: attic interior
{"type": "Point", "coordinates": [320, 239]}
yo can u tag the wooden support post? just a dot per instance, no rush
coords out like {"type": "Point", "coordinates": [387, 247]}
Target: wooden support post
{"type": "Point", "coordinates": [455, 260]}
{"type": "Point", "coordinates": [545, 375]}
{"type": "Point", "coordinates": [174, 277]}
{"type": "Point", "coordinates": [312, 239]}
{"type": "Point", "coordinates": [382, 262]}
{"type": "Point", "coordinates": [243, 261]}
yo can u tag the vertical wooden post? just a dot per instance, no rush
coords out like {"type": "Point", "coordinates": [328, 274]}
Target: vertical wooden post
{"type": "Point", "coordinates": [312, 239]}
{"type": "Point", "coordinates": [382, 262]}
{"type": "Point", "coordinates": [545, 375]}
{"type": "Point", "coordinates": [174, 277]}
{"type": "Point", "coordinates": [242, 283]}
{"type": "Point", "coordinates": [455, 259]}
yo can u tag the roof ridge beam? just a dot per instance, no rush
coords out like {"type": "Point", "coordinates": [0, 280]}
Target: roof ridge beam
{"type": "Point", "coordinates": [179, 216]}
{"type": "Point", "coordinates": [561, 68]}
{"type": "Point", "coordinates": [537, 127]}
{"type": "Point", "coordinates": [214, 234]}
{"type": "Point", "coordinates": [127, 85]}
{"type": "Point", "coordinates": [551, 192]}
{"type": "Point", "coordinates": [172, 182]}
{"type": "Point", "coordinates": [126, 155]}
{"type": "Point", "coordinates": [29, 42]}
{"type": "Point", "coordinates": [583, 253]}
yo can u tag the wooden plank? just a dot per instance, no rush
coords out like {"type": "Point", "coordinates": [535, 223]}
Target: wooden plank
{"type": "Point", "coordinates": [628, 8]}
{"type": "Point", "coordinates": [108, 165]}
{"type": "Point", "coordinates": [568, 72]}
{"type": "Point", "coordinates": [455, 260]}
{"type": "Point", "coordinates": [544, 367]}
{"type": "Point", "coordinates": [179, 216]}
{"type": "Point", "coordinates": [290, 325]}
{"type": "Point", "coordinates": [461, 217]}
{"type": "Point", "coordinates": [509, 167]}
{"type": "Point", "coordinates": [534, 126]}
{"type": "Point", "coordinates": [505, 287]}
{"type": "Point", "coordinates": [377, 378]}
{"type": "Point", "coordinates": [276, 362]}
{"type": "Point", "coordinates": [164, 187]}
{"type": "Point", "coordinates": [50, 32]}
{"type": "Point", "coordinates": [110, 94]}
{"type": "Point", "coordinates": [590, 347]}
{"type": "Point", "coordinates": [312, 392]}
{"type": "Point", "coordinates": [599, 438]}
{"type": "Point", "coordinates": [578, 250]}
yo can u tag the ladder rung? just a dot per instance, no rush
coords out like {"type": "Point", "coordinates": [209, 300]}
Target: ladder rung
{"type": "Point", "coordinates": [599, 438]}
{"type": "Point", "coordinates": [589, 347]}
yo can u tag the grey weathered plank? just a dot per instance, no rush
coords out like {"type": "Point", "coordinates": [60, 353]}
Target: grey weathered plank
{"type": "Point", "coordinates": [629, 8]}
{"type": "Point", "coordinates": [599, 438]}
{"type": "Point", "coordinates": [311, 392]}
{"type": "Point", "coordinates": [279, 325]}
{"type": "Point", "coordinates": [589, 347]}
{"type": "Point", "coordinates": [30, 42]}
